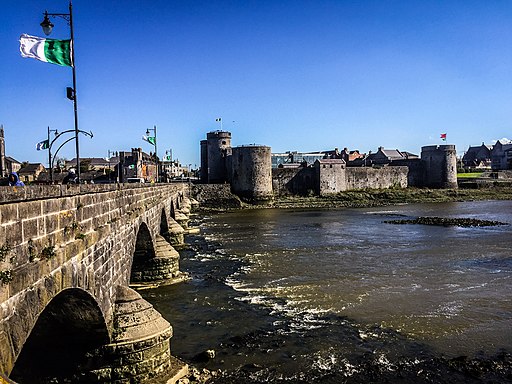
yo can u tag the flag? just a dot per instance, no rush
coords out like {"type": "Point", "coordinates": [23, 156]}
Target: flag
{"type": "Point", "coordinates": [218, 119]}
{"type": "Point", "coordinates": [149, 139]}
{"type": "Point", "coordinates": [42, 145]}
{"type": "Point", "coordinates": [443, 136]}
{"type": "Point", "coordinates": [47, 50]}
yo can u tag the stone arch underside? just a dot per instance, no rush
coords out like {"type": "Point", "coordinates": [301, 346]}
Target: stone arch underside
{"type": "Point", "coordinates": [144, 252]}
{"type": "Point", "coordinates": [164, 224]}
{"type": "Point", "coordinates": [173, 210]}
{"type": "Point", "coordinates": [71, 325]}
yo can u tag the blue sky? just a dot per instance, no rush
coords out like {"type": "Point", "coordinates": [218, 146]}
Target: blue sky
{"type": "Point", "coordinates": [293, 75]}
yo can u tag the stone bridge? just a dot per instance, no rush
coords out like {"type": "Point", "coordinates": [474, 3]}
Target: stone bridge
{"type": "Point", "coordinates": [67, 257]}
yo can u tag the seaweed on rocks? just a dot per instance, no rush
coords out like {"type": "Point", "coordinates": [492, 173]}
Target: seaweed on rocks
{"type": "Point", "coordinates": [447, 222]}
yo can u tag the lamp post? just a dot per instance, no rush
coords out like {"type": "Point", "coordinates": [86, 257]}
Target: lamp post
{"type": "Point", "coordinates": [156, 154]}
{"type": "Point", "coordinates": [109, 158]}
{"type": "Point", "coordinates": [59, 134]}
{"type": "Point", "coordinates": [50, 153]}
{"type": "Point", "coordinates": [47, 26]}
{"type": "Point", "coordinates": [168, 157]}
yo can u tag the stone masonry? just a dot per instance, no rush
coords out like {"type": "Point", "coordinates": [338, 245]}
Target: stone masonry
{"type": "Point", "coordinates": [58, 241]}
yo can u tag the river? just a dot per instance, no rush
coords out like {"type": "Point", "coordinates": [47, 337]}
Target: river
{"type": "Point", "coordinates": [340, 296]}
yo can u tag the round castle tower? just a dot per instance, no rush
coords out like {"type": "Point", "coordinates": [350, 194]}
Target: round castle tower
{"type": "Point", "coordinates": [252, 172]}
{"type": "Point", "coordinates": [218, 148]}
{"type": "Point", "coordinates": [204, 161]}
{"type": "Point", "coordinates": [440, 166]}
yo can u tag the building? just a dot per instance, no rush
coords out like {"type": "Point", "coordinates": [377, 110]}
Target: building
{"type": "Point", "coordinates": [501, 156]}
{"type": "Point", "coordinates": [172, 170]}
{"type": "Point", "coordinates": [30, 172]}
{"type": "Point", "coordinates": [94, 163]}
{"type": "Point", "coordinates": [136, 164]}
{"type": "Point", "coordinates": [11, 165]}
{"type": "Point", "coordinates": [388, 156]}
{"type": "Point", "coordinates": [7, 163]}
{"type": "Point", "coordinates": [306, 158]}
{"type": "Point", "coordinates": [478, 156]}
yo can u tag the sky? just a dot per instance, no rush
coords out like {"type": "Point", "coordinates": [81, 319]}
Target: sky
{"type": "Point", "coordinates": [293, 75]}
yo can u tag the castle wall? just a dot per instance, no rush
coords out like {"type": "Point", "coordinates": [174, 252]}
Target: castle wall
{"type": "Point", "coordinates": [252, 172]}
{"type": "Point", "coordinates": [325, 181]}
{"type": "Point", "coordinates": [380, 178]}
{"type": "Point", "coordinates": [415, 175]}
{"type": "Point", "coordinates": [293, 181]}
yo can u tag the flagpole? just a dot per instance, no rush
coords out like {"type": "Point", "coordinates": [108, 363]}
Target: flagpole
{"type": "Point", "coordinates": [71, 92]}
{"type": "Point", "coordinates": [50, 157]}
{"type": "Point", "coordinates": [156, 157]}
{"type": "Point", "coordinates": [75, 102]}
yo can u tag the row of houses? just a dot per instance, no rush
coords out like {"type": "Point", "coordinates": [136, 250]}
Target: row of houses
{"type": "Point", "coordinates": [351, 158]}
{"type": "Point", "coordinates": [496, 157]}
{"type": "Point", "coordinates": [134, 164]}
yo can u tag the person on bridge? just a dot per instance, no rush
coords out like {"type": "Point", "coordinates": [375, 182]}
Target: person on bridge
{"type": "Point", "coordinates": [14, 180]}
{"type": "Point", "coordinates": [71, 177]}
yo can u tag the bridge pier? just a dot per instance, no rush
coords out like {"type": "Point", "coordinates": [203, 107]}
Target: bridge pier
{"type": "Point", "coordinates": [140, 347]}
{"type": "Point", "coordinates": [163, 266]}
{"type": "Point", "coordinates": [174, 233]}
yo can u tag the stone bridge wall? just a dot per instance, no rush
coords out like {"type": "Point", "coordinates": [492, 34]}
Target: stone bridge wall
{"type": "Point", "coordinates": [59, 237]}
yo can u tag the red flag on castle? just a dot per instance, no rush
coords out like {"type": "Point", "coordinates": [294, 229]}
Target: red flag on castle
{"type": "Point", "coordinates": [443, 136]}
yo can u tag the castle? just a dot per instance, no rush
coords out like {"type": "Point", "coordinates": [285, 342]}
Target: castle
{"type": "Point", "coordinates": [249, 170]}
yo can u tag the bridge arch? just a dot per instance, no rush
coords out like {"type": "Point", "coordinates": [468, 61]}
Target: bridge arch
{"type": "Point", "coordinates": [173, 210]}
{"type": "Point", "coordinates": [164, 224]}
{"type": "Point", "coordinates": [71, 325]}
{"type": "Point", "coordinates": [144, 251]}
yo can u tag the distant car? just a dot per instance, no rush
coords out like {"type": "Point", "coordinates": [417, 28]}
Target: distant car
{"type": "Point", "coordinates": [135, 180]}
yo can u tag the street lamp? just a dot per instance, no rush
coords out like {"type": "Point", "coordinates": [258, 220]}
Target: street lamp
{"type": "Point", "coordinates": [57, 135]}
{"type": "Point", "coordinates": [50, 152]}
{"type": "Point", "coordinates": [47, 26]}
{"type": "Point", "coordinates": [168, 157]}
{"type": "Point", "coordinates": [109, 159]}
{"type": "Point", "coordinates": [154, 143]}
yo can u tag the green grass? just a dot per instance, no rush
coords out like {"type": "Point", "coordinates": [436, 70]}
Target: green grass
{"type": "Point", "coordinates": [469, 175]}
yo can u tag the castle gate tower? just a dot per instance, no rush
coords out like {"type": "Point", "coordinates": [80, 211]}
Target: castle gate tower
{"type": "Point", "coordinates": [218, 149]}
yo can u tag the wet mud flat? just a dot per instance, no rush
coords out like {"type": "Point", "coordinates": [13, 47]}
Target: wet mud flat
{"type": "Point", "coordinates": [252, 343]}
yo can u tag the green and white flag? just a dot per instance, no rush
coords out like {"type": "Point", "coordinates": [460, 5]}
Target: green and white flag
{"type": "Point", "coordinates": [42, 145]}
{"type": "Point", "coordinates": [149, 139]}
{"type": "Point", "coordinates": [47, 50]}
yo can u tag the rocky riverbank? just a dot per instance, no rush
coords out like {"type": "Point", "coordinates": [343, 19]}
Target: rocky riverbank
{"type": "Point", "coordinates": [221, 199]}
{"type": "Point", "coordinates": [383, 197]}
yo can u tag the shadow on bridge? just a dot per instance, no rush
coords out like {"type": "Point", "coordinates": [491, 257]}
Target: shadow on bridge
{"type": "Point", "coordinates": [71, 325]}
